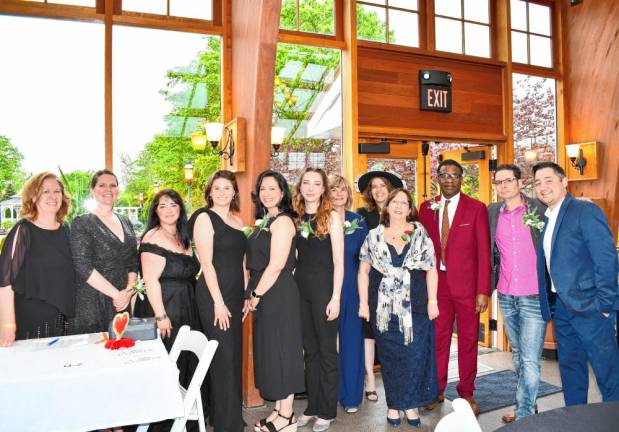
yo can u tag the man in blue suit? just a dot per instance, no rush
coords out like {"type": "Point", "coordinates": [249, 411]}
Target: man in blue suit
{"type": "Point", "coordinates": [577, 271]}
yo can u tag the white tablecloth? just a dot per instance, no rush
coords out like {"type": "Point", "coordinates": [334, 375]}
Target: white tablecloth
{"type": "Point", "coordinates": [77, 385]}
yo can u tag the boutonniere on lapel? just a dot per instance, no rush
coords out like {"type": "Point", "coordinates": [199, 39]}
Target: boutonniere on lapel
{"type": "Point", "coordinates": [407, 236]}
{"type": "Point", "coordinates": [305, 229]}
{"type": "Point", "coordinates": [435, 206]}
{"type": "Point", "coordinates": [260, 224]}
{"type": "Point", "coordinates": [531, 219]}
{"type": "Point", "coordinates": [351, 227]}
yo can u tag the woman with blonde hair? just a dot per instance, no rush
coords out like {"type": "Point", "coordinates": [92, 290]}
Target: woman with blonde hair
{"type": "Point", "coordinates": [352, 369]}
{"type": "Point", "coordinates": [319, 275]}
{"type": "Point", "coordinates": [37, 289]}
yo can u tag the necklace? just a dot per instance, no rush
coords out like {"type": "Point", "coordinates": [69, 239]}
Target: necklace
{"type": "Point", "coordinates": [173, 237]}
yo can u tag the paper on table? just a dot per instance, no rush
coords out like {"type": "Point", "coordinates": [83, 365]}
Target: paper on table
{"type": "Point", "coordinates": [65, 342]}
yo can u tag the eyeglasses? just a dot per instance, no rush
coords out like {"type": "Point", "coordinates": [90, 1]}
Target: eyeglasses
{"type": "Point", "coordinates": [448, 176]}
{"type": "Point", "coordinates": [399, 203]}
{"type": "Point", "coordinates": [505, 182]}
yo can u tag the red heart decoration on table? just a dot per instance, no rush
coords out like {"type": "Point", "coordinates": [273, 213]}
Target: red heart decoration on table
{"type": "Point", "coordinates": [120, 324]}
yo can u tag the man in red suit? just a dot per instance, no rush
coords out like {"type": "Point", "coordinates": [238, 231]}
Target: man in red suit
{"type": "Point", "coordinates": [458, 227]}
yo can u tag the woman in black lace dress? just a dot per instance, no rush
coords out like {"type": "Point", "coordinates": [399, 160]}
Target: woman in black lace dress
{"type": "Point", "coordinates": [319, 275]}
{"type": "Point", "coordinates": [105, 256]}
{"type": "Point", "coordinates": [274, 299]}
{"type": "Point", "coordinates": [37, 288]}
{"type": "Point", "coordinates": [220, 243]}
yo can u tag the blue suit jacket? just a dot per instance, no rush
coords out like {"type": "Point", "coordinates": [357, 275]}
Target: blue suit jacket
{"type": "Point", "coordinates": [583, 262]}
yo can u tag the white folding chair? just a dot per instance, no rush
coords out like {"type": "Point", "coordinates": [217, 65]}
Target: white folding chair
{"type": "Point", "coordinates": [197, 343]}
{"type": "Point", "coordinates": [462, 419]}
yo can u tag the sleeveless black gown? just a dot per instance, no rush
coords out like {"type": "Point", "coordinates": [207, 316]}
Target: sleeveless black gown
{"type": "Point", "coordinates": [278, 350]}
{"type": "Point", "coordinates": [224, 376]}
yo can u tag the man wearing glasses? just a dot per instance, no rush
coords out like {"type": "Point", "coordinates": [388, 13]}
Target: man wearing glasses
{"type": "Point", "coordinates": [458, 227]}
{"type": "Point", "coordinates": [516, 223]}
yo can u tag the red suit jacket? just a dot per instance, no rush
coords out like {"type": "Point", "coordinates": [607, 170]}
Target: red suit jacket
{"type": "Point", "coordinates": [467, 253]}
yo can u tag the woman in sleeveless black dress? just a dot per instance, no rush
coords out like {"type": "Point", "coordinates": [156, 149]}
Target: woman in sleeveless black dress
{"type": "Point", "coordinates": [319, 275]}
{"type": "Point", "coordinates": [37, 289]}
{"type": "Point", "coordinates": [220, 243]}
{"type": "Point", "coordinates": [274, 300]}
{"type": "Point", "coordinates": [375, 185]}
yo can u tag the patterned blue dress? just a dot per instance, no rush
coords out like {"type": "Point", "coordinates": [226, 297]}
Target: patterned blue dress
{"type": "Point", "coordinates": [352, 370]}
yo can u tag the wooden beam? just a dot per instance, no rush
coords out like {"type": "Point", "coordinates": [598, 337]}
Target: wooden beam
{"type": "Point", "coordinates": [109, 154]}
{"type": "Point", "coordinates": [352, 163]}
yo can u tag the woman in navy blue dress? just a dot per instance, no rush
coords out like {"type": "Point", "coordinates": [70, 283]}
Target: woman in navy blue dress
{"type": "Point", "coordinates": [350, 325]}
{"type": "Point", "coordinates": [398, 266]}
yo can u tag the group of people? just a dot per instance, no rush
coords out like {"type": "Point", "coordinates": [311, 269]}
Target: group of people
{"type": "Point", "coordinates": [323, 283]}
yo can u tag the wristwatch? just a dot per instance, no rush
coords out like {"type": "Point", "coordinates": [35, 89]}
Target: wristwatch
{"type": "Point", "coordinates": [255, 295]}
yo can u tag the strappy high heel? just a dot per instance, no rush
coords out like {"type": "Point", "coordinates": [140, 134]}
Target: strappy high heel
{"type": "Point", "coordinates": [262, 422]}
{"type": "Point", "coordinates": [290, 427]}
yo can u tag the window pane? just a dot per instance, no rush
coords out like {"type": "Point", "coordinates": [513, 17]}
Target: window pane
{"type": "Point", "coordinates": [371, 23]}
{"type": "Point", "coordinates": [146, 6]}
{"type": "Point", "coordinates": [166, 84]}
{"type": "Point", "coordinates": [477, 40]}
{"type": "Point", "coordinates": [535, 139]}
{"type": "Point", "coordinates": [317, 16]}
{"type": "Point", "coordinates": [476, 10]}
{"type": "Point", "coordinates": [519, 47]}
{"type": "Point", "coordinates": [403, 28]}
{"type": "Point", "coordinates": [52, 109]}
{"type": "Point", "coordinates": [380, 2]}
{"type": "Point", "coordinates": [90, 3]}
{"type": "Point", "coordinates": [451, 8]}
{"type": "Point", "coordinates": [288, 15]}
{"type": "Point", "coordinates": [539, 19]}
{"type": "Point", "coordinates": [541, 52]}
{"type": "Point", "coordinates": [518, 11]}
{"type": "Point", "coordinates": [308, 104]}
{"type": "Point", "coordinates": [199, 9]}
{"type": "Point", "coordinates": [448, 35]}
{"type": "Point", "coordinates": [405, 4]}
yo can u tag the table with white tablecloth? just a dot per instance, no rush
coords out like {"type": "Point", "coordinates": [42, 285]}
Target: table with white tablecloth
{"type": "Point", "coordinates": [77, 385]}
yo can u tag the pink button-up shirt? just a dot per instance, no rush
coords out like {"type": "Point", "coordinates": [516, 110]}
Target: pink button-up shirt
{"type": "Point", "coordinates": [518, 273]}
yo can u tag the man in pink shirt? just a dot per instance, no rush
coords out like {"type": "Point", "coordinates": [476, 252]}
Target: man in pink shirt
{"type": "Point", "coordinates": [515, 226]}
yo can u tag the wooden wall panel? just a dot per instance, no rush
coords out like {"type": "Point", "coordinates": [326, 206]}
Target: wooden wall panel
{"type": "Point", "coordinates": [592, 94]}
{"type": "Point", "coordinates": [388, 87]}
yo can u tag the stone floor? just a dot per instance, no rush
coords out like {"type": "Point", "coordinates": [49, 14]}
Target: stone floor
{"type": "Point", "coordinates": [371, 416]}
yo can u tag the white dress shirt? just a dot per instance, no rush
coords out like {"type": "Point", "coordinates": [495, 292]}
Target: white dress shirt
{"type": "Point", "coordinates": [547, 243]}
{"type": "Point", "coordinates": [451, 212]}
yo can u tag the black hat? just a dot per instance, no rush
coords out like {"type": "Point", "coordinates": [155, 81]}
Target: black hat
{"type": "Point", "coordinates": [377, 171]}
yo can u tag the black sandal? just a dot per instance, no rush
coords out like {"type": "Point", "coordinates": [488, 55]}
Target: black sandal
{"type": "Point", "coordinates": [262, 422]}
{"type": "Point", "coordinates": [291, 424]}
{"type": "Point", "coordinates": [371, 393]}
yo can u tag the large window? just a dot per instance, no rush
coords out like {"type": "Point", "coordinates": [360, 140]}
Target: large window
{"type": "Point", "coordinates": [531, 31]}
{"type": "Point", "coordinates": [311, 16]}
{"type": "Point", "coordinates": [52, 101]}
{"type": "Point", "coordinates": [307, 102]}
{"type": "Point", "coordinates": [463, 26]}
{"type": "Point", "coordinates": [390, 21]}
{"type": "Point", "coordinates": [535, 138]}
{"type": "Point", "coordinates": [200, 9]}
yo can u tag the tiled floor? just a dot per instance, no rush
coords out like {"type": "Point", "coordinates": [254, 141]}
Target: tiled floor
{"type": "Point", "coordinates": [371, 416]}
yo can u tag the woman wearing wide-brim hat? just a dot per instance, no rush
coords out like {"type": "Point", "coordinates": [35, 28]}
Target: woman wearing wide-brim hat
{"type": "Point", "coordinates": [375, 186]}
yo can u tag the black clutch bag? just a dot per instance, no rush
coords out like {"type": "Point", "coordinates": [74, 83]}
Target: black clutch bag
{"type": "Point", "coordinates": [138, 329]}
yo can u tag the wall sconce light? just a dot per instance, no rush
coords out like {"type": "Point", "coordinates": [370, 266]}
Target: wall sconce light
{"type": "Point", "coordinates": [574, 153]}
{"type": "Point", "coordinates": [214, 132]}
{"type": "Point", "coordinates": [277, 138]}
{"type": "Point", "coordinates": [530, 155]}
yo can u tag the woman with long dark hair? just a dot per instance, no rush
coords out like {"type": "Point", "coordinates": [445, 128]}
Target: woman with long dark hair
{"type": "Point", "coordinates": [37, 287]}
{"type": "Point", "coordinates": [319, 275]}
{"type": "Point", "coordinates": [105, 255]}
{"type": "Point", "coordinates": [274, 300]}
{"type": "Point", "coordinates": [218, 235]}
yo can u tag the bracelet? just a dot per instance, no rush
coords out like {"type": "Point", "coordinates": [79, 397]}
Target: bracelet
{"type": "Point", "coordinates": [433, 302]}
{"type": "Point", "coordinates": [161, 317]}
{"type": "Point", "coordinates": [8, 325]}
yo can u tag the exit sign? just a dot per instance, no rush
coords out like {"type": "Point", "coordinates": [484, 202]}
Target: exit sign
{"type": "Point", "coordinates": [435, 90]}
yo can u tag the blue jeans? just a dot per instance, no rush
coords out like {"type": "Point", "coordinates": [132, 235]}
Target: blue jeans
{"type": "Point", "coordinates": [526, 330]}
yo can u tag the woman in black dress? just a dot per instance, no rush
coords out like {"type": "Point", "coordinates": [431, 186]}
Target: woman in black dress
{"type": "Point", "coordinates": [220, 242]}
{"type": "Point", "coordinates": [105, 256]}
{"type": "Point", "coordinates": [319, 275]}
{"type": "Point", "coordinates": [168, 267]}
{"type": "Point", "coordinates": [398, 266]}
{"type": "Point", "coordinates": [37, 288]}
{"type": "Point", "coordinates": [375, 186]}
{"type": "Point", "coordinates": [274, 298]}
